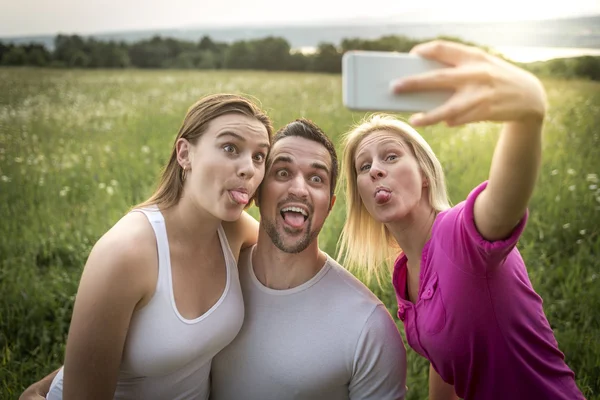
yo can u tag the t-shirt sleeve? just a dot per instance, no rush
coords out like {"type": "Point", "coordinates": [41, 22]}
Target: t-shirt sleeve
{"type": "Point", "coordinates": [462, 242]}
{"type": "Point", "coordinates": [379, 370]}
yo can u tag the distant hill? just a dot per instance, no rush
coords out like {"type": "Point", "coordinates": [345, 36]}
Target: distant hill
{"type": "Point", "coordinates": [570, 32]}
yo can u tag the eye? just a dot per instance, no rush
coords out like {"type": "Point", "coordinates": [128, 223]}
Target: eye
{"type": "Point", "coordinates": [316, 179]}
{"type": "Point", "coordinates": [282, 173]}
{"type": "Point", "coordinates": [230, 148]}
{"type": "Point", "coordinates": [259, 157]}
{"type": "Point", "coordinates": [364, 167]}
{"type": "Point", "coordinates": [391, 157]}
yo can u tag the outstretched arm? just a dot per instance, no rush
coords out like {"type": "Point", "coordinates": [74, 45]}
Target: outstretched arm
{"type": "Point", "coordinates": [487, 88]}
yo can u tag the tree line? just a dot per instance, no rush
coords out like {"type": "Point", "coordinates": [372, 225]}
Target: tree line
{"type": "Point", "coordinates": [269, 53]}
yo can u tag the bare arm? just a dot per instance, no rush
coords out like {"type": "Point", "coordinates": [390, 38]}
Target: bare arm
{"type": "Point", "coordinates": [513, 174]}
{"type": "Point", "coordinates": [487, 88]}
{"type": "Point", "coordinates": [111, 286]}
{"type": "Point", "coordinates": [39, 389]}
{"type": "Point", "coordinates": [438, 389]}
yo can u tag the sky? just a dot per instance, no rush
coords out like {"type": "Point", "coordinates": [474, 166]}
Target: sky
{"type": "Point", "coordinates": [41, 17]}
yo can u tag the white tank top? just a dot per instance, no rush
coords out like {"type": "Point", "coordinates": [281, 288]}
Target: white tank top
{"type": "Point", "coordinates": [167, 356]}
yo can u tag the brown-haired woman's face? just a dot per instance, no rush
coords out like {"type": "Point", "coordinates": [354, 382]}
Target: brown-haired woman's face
{"type": "Point", "coordinates": [227, 165]}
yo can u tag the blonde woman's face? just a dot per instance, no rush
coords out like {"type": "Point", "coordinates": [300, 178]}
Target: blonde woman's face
{"type": "Point", "coordinates": [227, 165]}
{"type": "Point", "coordinates": [389, 179]}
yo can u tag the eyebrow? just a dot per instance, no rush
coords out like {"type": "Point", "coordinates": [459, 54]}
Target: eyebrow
{"type": "Point", "coordinates": [320, 166]}
{"type": "Point", "coordinates": [240, 137]}
{"type": "Point", "coordinates": [286, 159]}
{"type": "Point", "coordinates": [384, 142]}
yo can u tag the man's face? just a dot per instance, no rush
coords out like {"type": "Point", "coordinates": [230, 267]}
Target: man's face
{"type": "Point", "coordinates": [295, 194]}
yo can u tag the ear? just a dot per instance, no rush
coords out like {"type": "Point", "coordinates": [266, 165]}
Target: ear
{"type": "Point", "coordinates": [332, 202]}
{"type": "Point", "coordinates": [184, 153]}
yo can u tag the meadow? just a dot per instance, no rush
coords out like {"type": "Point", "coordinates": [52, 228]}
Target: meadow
{"type": "Point", "coordinates": [78, 148]}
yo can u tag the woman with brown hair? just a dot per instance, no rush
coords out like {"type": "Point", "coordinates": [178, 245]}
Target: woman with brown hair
{"type": "Point", "coordinates": [160, 293]}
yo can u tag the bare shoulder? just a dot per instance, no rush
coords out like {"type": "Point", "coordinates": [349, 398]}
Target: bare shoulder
{"type": "Point", "coordinates": [242, 233]}
{"type": "Point", "coordinates": [127, 253]}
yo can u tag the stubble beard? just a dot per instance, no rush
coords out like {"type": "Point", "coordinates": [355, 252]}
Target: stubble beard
{"type": "Point", "coordinates": [294, 248]}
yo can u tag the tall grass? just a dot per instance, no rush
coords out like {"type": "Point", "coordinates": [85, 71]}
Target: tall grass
{"type": "Point", "coordinates": [78, 148]}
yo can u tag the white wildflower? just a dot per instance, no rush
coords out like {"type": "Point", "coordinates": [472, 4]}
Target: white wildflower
{"type": "Point", "coordinates": [593, 178]}
{"type": "Point", "coordinates": [566, 226]}
{"type": "Point", "coordinates": [571, 171]}
{"type": "Point", "coordinates": [593, 187]}
{"type": "Point", "coordinates": [5, 178]}
{"type": "Point", "coordinates": [18, 160]}
{"type": "Point", "coordinates": [110, 190]}
{"type": "Point", "coordinates": [114, 182]}
{"type": "Point", "coordinates": [102, 185]}
{"type": "Point", "coordinates": [572, 188]}
{"type": "Point", "coordinates": [145, 149]}
{"type": "Point", "coordinates": [554, 172]}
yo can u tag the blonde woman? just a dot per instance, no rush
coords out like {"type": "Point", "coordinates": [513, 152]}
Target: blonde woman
{"type": "Point", "coordinates": [463, 291]}
{"type": "Point", "coordinates": [160, 293]}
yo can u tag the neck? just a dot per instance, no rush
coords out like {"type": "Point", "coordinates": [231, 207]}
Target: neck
{"type": "Point", "coordinates": [189, 224]}
{"type": "Point", "coordinates": [279, 270]}
{"type": "Point", "coordinates": [412, 232]}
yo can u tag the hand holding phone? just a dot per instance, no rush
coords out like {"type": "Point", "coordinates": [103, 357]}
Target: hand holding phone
{"type": "Point", "coordinates": [367, 77]}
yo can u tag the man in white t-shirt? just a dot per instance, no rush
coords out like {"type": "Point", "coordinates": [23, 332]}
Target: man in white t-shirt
{"type": "Point", "coordinates": [311, 329]}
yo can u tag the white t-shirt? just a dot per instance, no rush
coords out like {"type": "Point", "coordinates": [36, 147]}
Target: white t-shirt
{"type": "Point", "coordinates": [329, 338]}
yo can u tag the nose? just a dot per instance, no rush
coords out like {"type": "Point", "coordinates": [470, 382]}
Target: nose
{"type": "Point", "coordinates": [376, 171]}
{"type": "Point", "coordinates": [246, 168]}
{"type": "Point", "coordinates": [298, 187]}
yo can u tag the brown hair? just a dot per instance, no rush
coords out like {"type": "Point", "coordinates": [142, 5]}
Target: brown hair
{"type": "Point", "coordinates": [195, 123]}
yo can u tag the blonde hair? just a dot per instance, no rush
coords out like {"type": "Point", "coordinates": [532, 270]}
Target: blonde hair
{"type": "Point", "coordinates": [195, 123]}
{"type": "Point", "coordinates": [366, 245]}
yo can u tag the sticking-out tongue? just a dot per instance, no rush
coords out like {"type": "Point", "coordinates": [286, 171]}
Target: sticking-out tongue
{"type": "Point", "coordinates": [382, 196]}
{"type": "Point", "coordinates": [239, 197]}
{"type": "Point", "coordinates": [293, 218]}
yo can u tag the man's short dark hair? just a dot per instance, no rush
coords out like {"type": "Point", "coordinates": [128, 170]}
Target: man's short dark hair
{"type": "Point", "coordinates": [309, 130]}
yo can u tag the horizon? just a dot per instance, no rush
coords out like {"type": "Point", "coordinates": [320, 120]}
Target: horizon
{"type": "Point", "coordinates": [96, 18]}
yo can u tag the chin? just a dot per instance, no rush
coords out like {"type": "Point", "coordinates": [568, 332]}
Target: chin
{"type": "Point", "coordinates": [230, 215]}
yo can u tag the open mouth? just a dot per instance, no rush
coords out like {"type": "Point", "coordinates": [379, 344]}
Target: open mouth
{"type": "Point", "coordinates": [294, 216]}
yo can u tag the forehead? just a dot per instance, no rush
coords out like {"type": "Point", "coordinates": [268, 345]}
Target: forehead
{"type": "Point", "coordinates": [376, 139]}
{"type": "Point", "coordinates": [301, 151]}
{"type": "Point", "coordinates": [248, 127]}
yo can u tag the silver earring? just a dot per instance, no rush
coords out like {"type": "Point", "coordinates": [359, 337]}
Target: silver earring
{"type": "Point", "coordinates": [183, 174]}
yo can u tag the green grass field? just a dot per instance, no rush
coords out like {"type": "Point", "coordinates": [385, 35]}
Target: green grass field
{"type": "Point", "coordinates": [78, 148]}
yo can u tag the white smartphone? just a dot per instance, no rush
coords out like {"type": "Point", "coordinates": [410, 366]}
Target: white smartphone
{"type": "Point", "coordinates": [367, 76]}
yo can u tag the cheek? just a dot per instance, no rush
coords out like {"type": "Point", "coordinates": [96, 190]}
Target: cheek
{"type": "Point", "coordinates": [363, 188]}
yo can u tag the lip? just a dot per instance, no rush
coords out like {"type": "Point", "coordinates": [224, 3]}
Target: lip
{"type": "Point", "coordinates": [381, 188]}
{"type": "Point", "coordinates": [301, 206]}
{"type": "Point", "coordinates": [240, 189]}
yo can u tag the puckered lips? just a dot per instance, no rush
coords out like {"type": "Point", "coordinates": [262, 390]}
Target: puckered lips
{"type": "Point", "coordinates": [382, 195]}
{"type": "Point", "coordinates": [239, 195]}
{"type": "Point", "coordinates": [294, 215]}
